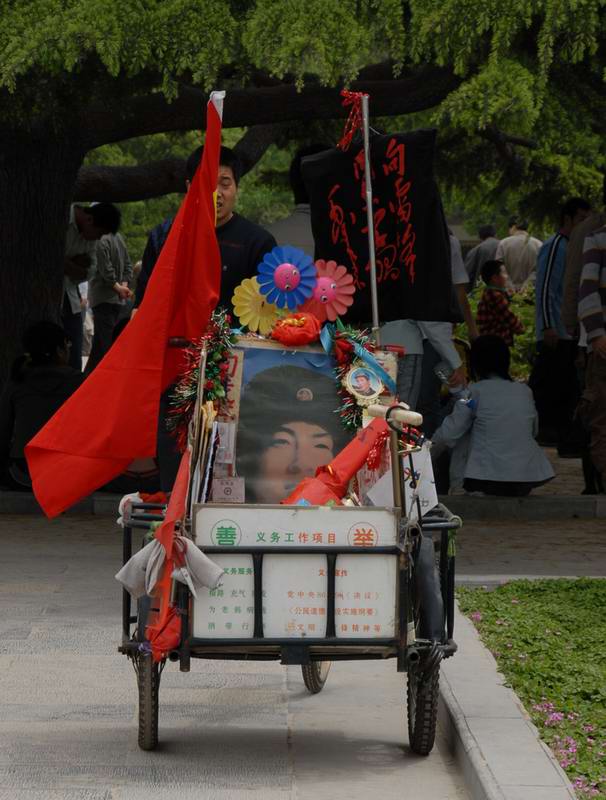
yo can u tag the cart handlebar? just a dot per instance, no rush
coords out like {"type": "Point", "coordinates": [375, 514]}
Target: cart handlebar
{"type": "Point", "coordinates": [398, 413]}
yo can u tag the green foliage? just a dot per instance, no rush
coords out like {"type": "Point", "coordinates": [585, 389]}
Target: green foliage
{"type": "Point", "coordinates": [168, 38]}
{"type": "Point", "coordinates": [528, 68]}
{"type": "Point", "coordinates": [548, 638]}
{"type": "Point", "coordinates": [332, 40]}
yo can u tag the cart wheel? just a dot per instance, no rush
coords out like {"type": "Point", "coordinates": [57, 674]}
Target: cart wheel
{"type": "Point", "coordinates": [422, 699]}
{"type": "Point", "coordinates": [315, 674]}
{"type": "Point", "coordinates": [148, 677]}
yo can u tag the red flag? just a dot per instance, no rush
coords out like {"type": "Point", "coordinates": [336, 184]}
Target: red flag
{"type": "Point", "coordinates": [113, 416]}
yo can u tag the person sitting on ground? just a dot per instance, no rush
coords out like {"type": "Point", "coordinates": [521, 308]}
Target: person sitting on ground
{"type": "Point", "coordinates": [41, 381]}
{"type": "Point", "coordinates": [494, 316]}
{"type": "Point", "coordinates": [491, 432]}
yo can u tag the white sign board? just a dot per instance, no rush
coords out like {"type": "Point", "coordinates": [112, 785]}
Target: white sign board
{"type": "Point", "coordinates": [227, 612]}
{"type": "Point", "coordinates": [293, 526]}
{"type": "Point", "coordinates": [365, 596]}
{"type": "Point", "coordinates": [294, 586]}
{"type": "Point", "coordinates": [295, 596]}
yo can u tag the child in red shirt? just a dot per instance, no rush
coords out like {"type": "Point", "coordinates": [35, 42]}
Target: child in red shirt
{"type": "Point", "coordinates": [494, 316]}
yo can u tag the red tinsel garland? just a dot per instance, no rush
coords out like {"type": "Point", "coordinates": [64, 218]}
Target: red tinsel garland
{"type": "Point", "coordinates": [354, 120]}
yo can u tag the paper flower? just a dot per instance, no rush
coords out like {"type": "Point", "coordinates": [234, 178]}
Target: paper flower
{"type": "Point", "coordinates": [333, 292]}
{"type": "Point", "coordinates": [287, 276]}
{"type": "Point", "coordinates": [252, 309]}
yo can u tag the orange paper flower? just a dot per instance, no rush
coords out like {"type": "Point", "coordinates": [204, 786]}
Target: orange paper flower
{"type": "Point", "coordinates": [333, 292]}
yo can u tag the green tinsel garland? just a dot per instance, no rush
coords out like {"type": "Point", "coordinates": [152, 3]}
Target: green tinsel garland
{"type": "Point", "coordinates": [218, 340]}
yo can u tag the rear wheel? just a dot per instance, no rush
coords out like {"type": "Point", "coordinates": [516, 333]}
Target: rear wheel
{"type": "Point", "coordinates": [148, 677]}
{"type": "Point", "coordinates": [422, 696]}
{"type": "Point", "coordinates": [315, 674]}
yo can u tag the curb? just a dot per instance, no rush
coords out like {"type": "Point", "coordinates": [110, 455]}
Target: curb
{"type": "Point", "coordinates": [534, 507]}
{"type": "Point", "coordinates": [491, 736]}
{"type": "Point", "coordinates": [99, 503]}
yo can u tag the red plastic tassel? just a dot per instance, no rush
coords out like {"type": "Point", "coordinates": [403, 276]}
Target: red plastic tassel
{"type": "Point", "coordinates": [354, 120]}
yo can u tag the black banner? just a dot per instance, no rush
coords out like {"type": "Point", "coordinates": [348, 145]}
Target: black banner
{"type": "Point", "coordinates": [411, 237]}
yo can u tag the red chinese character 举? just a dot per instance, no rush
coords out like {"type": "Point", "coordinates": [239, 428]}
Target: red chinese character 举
{"type": "Point", "coordinates": [364, 537]}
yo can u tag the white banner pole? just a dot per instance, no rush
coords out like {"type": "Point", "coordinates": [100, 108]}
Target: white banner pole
{"type": "Point", "coordinates": [370, 222]}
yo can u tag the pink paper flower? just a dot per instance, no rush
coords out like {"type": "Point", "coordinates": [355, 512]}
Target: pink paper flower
{"type": "Point", "coordinates": [333, 292]}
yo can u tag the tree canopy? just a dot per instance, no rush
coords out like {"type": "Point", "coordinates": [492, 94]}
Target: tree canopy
{"type": "Point", "coordinates": [515, 87]}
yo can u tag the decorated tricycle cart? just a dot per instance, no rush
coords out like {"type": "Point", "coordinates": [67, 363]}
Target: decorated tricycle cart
{"type": "Point", "coordinates": [303, 525]}
{"type": "Point", "coordinates": [311, 585]}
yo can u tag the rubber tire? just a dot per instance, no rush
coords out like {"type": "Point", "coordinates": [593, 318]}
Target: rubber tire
{"type": "Point", "coordinates": [149, 684]}
{"type": "Point", "coordinates": [422, 695]}
{"type": "Point", "coordinates": [315, 675]}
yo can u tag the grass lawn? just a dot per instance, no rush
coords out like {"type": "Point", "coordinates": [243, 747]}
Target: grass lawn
{"type": "Point", "coordinates": [549, 640]}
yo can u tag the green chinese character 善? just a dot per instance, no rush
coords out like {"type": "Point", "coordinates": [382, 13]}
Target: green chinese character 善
{"type": "Point", "coordinates": [226, 535]}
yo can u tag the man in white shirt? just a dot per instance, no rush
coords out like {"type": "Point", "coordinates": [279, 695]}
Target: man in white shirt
{"type": "Point", "coordinates": [519, 252]}
{"type": "Point", "coordinates": [86, 226]}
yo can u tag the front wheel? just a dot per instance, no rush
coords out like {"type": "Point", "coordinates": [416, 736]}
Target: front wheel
{"type": "Point", "coordinates": [315, 674]}
{"type": "Point", "coordinates": [422, 697]}
{"type": "Point", "coordinates": [148, 678]}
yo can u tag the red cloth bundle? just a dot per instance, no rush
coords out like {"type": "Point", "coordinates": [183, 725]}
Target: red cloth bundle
{"type": "Point", "coordinates": [297, 329]}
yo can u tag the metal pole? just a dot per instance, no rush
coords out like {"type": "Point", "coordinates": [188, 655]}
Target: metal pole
{"type": "Point", "coordinates": [370, 222]}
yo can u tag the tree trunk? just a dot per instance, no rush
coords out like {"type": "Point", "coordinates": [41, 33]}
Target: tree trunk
{"type": "Point", "coordinates": [37, 176]}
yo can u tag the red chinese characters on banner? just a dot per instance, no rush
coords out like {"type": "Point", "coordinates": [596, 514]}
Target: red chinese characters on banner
{"type": "Point", "coordinates": [393, 250]}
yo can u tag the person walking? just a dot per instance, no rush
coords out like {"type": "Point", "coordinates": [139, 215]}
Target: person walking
{"type": "Point", "coordinates": [554, 376]}
{"type": "Point", "coordinates": [85, 227]}
{"type": "Point", "coordinates": [519, 252]}
{"type": "Point", "coordinates": [108, 291]}
{"type": "Point", "coordinates": [481, 253]}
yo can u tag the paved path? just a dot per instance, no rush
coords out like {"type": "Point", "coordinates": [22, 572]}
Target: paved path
{"type": "Point", "coordinates": [229, 730]}
{"type": "Point", "coordinates": [493, 551]}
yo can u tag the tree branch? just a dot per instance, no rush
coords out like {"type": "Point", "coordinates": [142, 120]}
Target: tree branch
{"type": "Point", "coordinates": [152, 113]}
{"type": "Point", "coordinates": [156, 178]}
{"type": "Point", "coordinates": [125, 184]}
{"type": "Point", "coordinates": [252, 146]}
{"type": "Point", "coordinates": [505, 144]}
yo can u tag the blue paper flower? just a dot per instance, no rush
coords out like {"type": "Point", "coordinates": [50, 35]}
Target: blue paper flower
{"type": "Point", "coordinates": [287, 276]}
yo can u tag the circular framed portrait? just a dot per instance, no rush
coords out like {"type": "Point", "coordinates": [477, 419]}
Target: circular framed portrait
{"type": "Point", "coordinates": [363, 384]}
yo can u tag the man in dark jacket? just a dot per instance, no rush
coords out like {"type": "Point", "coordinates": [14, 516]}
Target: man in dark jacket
{"type": "Point", "coordinates": [242, 245]}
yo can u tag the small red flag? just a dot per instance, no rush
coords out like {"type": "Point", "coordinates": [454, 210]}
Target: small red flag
{"type": "Point", "coordinates": [164, 625]}
{"type": "Point", "coordinates": [112, 418]}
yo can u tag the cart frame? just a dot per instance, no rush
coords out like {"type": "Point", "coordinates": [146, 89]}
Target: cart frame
{"type": "Point", "coordinates": [304, 651]}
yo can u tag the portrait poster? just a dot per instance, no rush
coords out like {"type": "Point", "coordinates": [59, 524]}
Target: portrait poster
{"type": "Point", "coordinates": [411, 236]}
{"type": "Point", "coordinates": [285, 408]}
